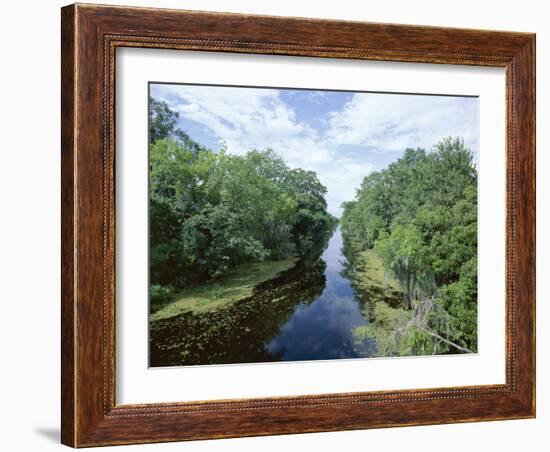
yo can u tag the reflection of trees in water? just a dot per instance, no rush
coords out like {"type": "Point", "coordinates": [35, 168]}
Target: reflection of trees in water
{"type": "Point", "coordinates": [237, 333]}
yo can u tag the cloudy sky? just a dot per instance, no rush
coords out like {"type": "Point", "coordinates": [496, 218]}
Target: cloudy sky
{"type": "Point", "coordinates": [342, 136]}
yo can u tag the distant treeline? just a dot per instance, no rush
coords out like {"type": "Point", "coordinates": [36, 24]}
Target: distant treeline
{"type": "Point", "coordinates": [420, 216]}
{"type": "Point", "coordinates": [211, 211]}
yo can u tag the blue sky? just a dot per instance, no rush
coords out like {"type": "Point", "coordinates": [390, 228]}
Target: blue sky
{"type": "Point", "coordinates": [342, 136]}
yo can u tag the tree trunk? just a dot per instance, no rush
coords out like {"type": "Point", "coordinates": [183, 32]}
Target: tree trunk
{"type": "Point", "coordinates": [408, 290]}
{"type": "Point", "coordinates": [447, 341]}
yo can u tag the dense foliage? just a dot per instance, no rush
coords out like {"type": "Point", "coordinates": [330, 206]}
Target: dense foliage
{"type": "Point", "coordinates": [420, 216]}
{"type": "Point", "coordinates": [210, 212]}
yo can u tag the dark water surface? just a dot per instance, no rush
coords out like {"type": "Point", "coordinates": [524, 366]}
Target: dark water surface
{"type": "Point", "coordinates": [307, 313]}
{"type": "Point", "coordinates": [323, 328]}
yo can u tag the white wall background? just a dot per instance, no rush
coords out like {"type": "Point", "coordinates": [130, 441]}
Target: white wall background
{"type": "Point", "coordinates": [29, 225]}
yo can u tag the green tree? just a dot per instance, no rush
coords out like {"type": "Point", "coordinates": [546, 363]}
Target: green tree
{"type": "Point", "coordinates": [162, 120]}
{"type": "Point", "coordinates": [420, 216]}
{"type": "Point", "coordinates": [211, 211]}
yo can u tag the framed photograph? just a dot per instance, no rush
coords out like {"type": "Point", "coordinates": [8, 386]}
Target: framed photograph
{"type": "Point", "coordinates": [281, 225]}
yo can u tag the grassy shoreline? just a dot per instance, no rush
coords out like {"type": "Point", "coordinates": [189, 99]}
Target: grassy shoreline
{"type": "Point", "coordinates": [371, 281]}
{"type": "Point", "coordinates": [382, 295]}
{"type": "Point", "coordinates": [238, 284]}
{"type": "Point", "coordinates": [370, 272]}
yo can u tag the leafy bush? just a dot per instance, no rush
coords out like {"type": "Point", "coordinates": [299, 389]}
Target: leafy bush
{"type": "Point", "coordinates": [211, 211]}
{"type": "Point", "coordinates": [160, 295]}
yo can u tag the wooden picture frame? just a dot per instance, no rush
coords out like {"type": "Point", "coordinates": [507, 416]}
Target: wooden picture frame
{"type": "Point", "coordinates": [90, 36]}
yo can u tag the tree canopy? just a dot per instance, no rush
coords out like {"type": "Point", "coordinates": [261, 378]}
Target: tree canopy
{"type": "Point", "coordinates": [211, 211]}
{"type": "Point", "coordinates": [420, 216]}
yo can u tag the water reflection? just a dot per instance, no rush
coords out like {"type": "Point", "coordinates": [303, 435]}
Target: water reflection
{"type": "Point", "coordinates": [307, 313]}
{"type": "Point", "coordinates": [323, 329]}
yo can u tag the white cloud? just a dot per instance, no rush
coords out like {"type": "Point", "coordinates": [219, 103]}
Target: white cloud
{"type": "Point", "coordinates": [394, 122]}
{"type": "Point", "coordinates": [242, 117]}
{"type": "Point", "coordinates": [247, 118]}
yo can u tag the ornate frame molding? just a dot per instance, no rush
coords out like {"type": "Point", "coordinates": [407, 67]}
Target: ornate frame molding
{"type": "Point", "coordinates": [90, 37]}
